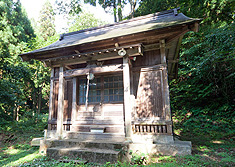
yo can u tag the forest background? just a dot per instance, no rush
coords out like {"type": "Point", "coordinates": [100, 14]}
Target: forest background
{"type": "Point", "coordinates": [202, 96]}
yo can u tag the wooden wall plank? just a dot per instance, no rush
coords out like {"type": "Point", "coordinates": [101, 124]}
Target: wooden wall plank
{"type": "Point", "coordinates": [149, 95]}
{"type": "Point", "coordinates": [55, 99]}
{"type": "Point", "coordinates": [150, 58]}
{"type": "Point", "coordinates": [68, 92]}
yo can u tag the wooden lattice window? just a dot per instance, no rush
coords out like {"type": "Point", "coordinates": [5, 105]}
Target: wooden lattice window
{"type": "Point", "coordinates": [113, 89]}
{"type": "Point", "coordinates": [102, 89]}
{"type": "Point", "coordinates": [94, 94]}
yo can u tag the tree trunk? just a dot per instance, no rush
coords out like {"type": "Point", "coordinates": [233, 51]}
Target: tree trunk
{"type": "Point", "coordinates": [119, 7]}
{"type": "Point", "coordinates": [133, 4]}
{"type": "Point", "coordinates": [16, 113]}
{"type": "Point", "coordinates": [115, 10]}
{"type": "Point", "coordinates": [39, 100]}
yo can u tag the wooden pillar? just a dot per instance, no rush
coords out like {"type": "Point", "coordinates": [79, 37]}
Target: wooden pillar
{"type": "Point", "coordinates": [74, 103]}
{"type": "Point", "coordinates": [164, 76]}
{"type": "Point", "coordinates": [127, 105]}
{"type": "Point", "coordinates": [60, 103]}
{"type": "Point", "coordinates": [166, 94]}
{"type": "Point", "coordinates": [163, 51]}
{"type": "Point", "coordinates": [51, 97]}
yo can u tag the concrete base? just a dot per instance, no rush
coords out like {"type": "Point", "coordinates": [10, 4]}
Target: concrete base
{"type": "Point", "coordinates": [102, 147]}
{"type": "Point", "coordinates": [174, 148]}
{"type": "Point", "coordinates": [36, 141]}
{"type": "Point", "coordinates": [102, 151]}
{"type": "Point", "coordinates": [150, 138]}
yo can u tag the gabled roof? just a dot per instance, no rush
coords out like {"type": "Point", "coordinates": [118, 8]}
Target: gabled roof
{"type": "Point", "coordinates": [136, 25]}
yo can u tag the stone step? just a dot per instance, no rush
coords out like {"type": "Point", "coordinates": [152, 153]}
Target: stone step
{"type": "Point", "coordinates": [86, 154]}
{"type": "Point", "coordinates": [98, 144]}
{"type": "Point", "coordinates": [95, 136]}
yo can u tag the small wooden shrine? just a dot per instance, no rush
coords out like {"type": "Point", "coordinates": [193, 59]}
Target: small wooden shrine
{"type": "Point", "coordinates": [111, 82]}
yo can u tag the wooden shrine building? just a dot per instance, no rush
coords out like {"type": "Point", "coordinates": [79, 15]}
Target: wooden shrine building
{"type": "Point", "coordinates": [111, 82]}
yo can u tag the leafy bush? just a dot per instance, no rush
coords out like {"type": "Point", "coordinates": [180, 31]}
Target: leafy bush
{"type": "Point", "coordinates": [203, 96]}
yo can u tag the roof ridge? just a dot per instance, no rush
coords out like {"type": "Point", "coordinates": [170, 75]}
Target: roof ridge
{"type": "Point", "coordinates": [122, 22]}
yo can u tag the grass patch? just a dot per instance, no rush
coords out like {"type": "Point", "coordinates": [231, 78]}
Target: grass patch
{"type": "Point", "coordinates": [16, 156]}
{"type": "Point", "coordinates": [207, 150]}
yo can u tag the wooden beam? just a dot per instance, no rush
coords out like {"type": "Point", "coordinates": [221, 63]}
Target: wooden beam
{"type": "Point", "coordinates": [68, 67]}
{"type": "Point", "coordinates": [112, 53]}
{"type": "Point", "coordinates": [127, 95]}
{"type": "Point", "coordinates": [60, 104]}
{"type": "Point", "coordinates": [151, 47]}
{"type": "Point", "coordinates": [178, 35]}
{"type": "Point", "coordinates": [196, 27]}
{"type": "Point", "coordinates": [51, 96]}
{"type": "Point", "coordinates": [152, 68]}
{"type": "Point", "coordinates": [173, 61]}
{"type": "Point", "coordinates": [94, 70]}
{"type": "Point", "coordinates": [74, 103]}
{"type": "Point", "coordinates": [176, 56]}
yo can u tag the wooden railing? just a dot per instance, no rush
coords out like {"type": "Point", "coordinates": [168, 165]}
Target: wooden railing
{"type": "Point", "coordinates": [52, 125]}
{"type": "Point", "coordinates": [152, 128]}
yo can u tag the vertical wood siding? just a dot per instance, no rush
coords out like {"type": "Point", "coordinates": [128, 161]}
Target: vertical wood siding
{"type": "Point", "coordinates": [149, 101]}
{"type": "Point", "coordinates": [150, 58]}
{"type": "Point", "coordinates": [68, 92]}
{"type": "Point", "coordinates": [55, 99]}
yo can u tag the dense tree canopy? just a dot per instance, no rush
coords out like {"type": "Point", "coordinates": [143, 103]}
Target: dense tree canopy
{"type": "Point", "coordinates": [83, 21]}
{"type": "Point", "coordinates": [212, 11]}
{"type": "Point", "coordinates": [15, 33]}
{"type": "Point", "coordinates": [46, 21]}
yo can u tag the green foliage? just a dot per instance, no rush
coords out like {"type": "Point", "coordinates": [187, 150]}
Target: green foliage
{"type": "Point", "coordinates": [83, 21]}
{"type": "Point", "coordinates": [71, 8]}
{"type": "Point", "coordinates": [138, 158]}
{"type": "Point", "coordinates": [203, 95]}
{"type": "Point", "coordinates": [212, 11]}
{"type": "Point", "coordinates": [15, 32]}
{"type": "Point", "coordinates": [46, 21]}
{"type": "Point", "coordinates": [115, 5]}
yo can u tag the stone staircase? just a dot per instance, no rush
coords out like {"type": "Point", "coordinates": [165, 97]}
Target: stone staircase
{"type": "Point", "coordinates": [97, 151]}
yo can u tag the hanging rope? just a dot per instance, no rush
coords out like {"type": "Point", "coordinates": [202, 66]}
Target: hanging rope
{"type": "Point", "coordinates": [87, 90]}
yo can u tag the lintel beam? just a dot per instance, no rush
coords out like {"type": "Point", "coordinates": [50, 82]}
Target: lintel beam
{"type": "Point", "coordinates": [94, 70]}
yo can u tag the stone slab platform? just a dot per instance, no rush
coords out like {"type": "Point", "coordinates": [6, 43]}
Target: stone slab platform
{"type": "Point", "coordinates": [89, 154]}
{"type": "Point", "coordinates": [175, 148]}
{"type": "Point", "coordinates": [102, 151]}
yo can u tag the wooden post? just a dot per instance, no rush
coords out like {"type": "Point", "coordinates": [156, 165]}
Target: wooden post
{"type": "Point", "coordinates": [127, 105]}
{"type": "Point", "coordinates": [164, 75]}
{"type": "Point", "coordinates": [74, 104]}
{"type": "Point", "coordinates": [51, 97]}
{"type": "Point", "coordinates": [166, 94]}
{"type": "Point", "coordinates": [60, 104]}
{"type": "Point", "coordinates": [163, 51]}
